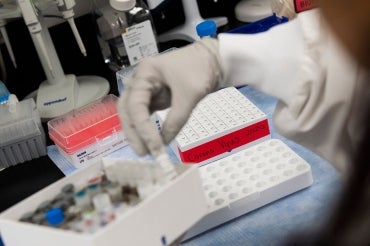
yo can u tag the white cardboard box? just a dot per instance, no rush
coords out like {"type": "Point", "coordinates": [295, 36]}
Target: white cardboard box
{"type": "Point", "coordinates": [167, 214]}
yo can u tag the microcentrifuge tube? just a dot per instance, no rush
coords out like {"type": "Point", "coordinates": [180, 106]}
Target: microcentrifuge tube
{"type": "Point", "coordinates": [82, 200]}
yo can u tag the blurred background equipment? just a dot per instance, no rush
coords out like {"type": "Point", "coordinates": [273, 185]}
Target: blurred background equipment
{"type": "Point", "coordinates": [187, 30]}
{"type": "Point", "coordinates": [253, 10]}
{"type": "Point", "coordinates": [59, 93]}
{"type": "Point", "coordinates": [125, 32]}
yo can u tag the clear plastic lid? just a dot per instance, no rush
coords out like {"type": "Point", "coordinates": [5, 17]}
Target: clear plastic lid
{"type": "Point", "coordinates": [86, 125]}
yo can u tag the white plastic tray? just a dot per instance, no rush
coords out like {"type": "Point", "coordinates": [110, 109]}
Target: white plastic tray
{"type": "Point", "coordinates": [249, 179]}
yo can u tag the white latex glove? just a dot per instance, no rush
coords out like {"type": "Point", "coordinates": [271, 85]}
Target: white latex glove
{"type": "Point", "coordinates": [178, 79]}
{"type": "Point", "coordinates": [283, 8]}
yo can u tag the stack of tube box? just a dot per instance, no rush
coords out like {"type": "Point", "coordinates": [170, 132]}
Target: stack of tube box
{"type": "Point", "coordinates": [88, 133]}
{"type": "Point", "coordinates": [22, 137]}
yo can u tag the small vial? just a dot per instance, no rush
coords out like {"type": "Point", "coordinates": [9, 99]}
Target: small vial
{"type": "Point", "coordinates": [55, 218]}
{"type": "Point", "coordinates": [44, 206]}
{"type": "Point", "coordinates": [120, 208]}
{"type": "Point", "coordinates": [134, 199]}
{"type": "Point", "coordinates": [27, 217]}
{"type": "Point", "coordinates": [39, 218]}
{"type": "Point", "coordinates": [115, 192]}
{"type": "Point", "coordinates": [82, 200]}
{"type": "Point", "coordinates": [69, 198]}
{"type": "Point", "coordinates": [58, 197]}
{"type": "Point", "coordinates": [105, 183]}
{"type": "Point", "coordinates": [73, 213]}
{"type": "Point", "coordinates": [90, 221]}
{"type": "Point", "coordinates": [62, 204]}
{"type": "Point", "coordinates": [68, 188]}
{"type": "Point", "coordinates": [102, 202]}
{"type": "Point", "coordinates": [126, 190]}
{"type": "Point", "coordinates": [93, 190]}
{"type": "Point", "coordinates": [168, 171]}
{"type": "Point", "coordinates": [103, 206]}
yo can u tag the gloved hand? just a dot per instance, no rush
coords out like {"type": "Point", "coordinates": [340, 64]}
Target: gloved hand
{"type": "Point", "coordinates": [178, 79]}
{"type": "Point", "coordinates": [284, 8]}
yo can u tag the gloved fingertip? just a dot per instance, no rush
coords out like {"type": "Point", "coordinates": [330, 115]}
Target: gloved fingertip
{"type": "Point", "coordinates": [168, 136]}
{"type": "Point", "coordinates": [139, 150]}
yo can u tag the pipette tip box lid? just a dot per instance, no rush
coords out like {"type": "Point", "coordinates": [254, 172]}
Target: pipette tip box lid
{"type": "Point", "coordinates": [89, 132]}
{"type": "Point", "coordinates": [157, 220]}
{"type": "Point", "coordinates": [222, 123]}
{"type": "Point", "coordinates": [22, 137]}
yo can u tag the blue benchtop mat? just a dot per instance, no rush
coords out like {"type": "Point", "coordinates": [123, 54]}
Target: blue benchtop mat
{"type": "Point", "coordinates": [270, 224]}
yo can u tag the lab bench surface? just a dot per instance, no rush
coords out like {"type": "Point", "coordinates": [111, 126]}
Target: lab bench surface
{"type": "Point", "coordinates": [268, 225]}
{"type": "Point", "coordinates": [299, 213]}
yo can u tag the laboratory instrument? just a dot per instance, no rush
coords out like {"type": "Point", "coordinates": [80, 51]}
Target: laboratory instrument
{"type": "Point", "coordinates": [126, 33]}
{"type": "Point", "coordinates": [86, 134]}
{"type": "Point", "coordinates": [22, 137]}
{"type": "Point", "coordinates": [186, 31]}
{"type": "Point", "coordinates": [59, 93]}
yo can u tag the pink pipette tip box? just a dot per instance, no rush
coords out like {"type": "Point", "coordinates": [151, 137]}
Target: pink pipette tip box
{"type": "Point", "coordinates": [89, 132]}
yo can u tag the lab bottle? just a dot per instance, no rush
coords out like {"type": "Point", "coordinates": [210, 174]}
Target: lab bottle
{"type": "Point", "coordinates": [126, 33]}
{"type": "Point", "coordinates": [207, 28]}
{"type": "Point", "coordinates": [109, 30]}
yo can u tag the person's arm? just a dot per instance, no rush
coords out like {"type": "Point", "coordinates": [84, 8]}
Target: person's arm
{"type": "Point", "coordinates": [297, 62]}
{"type": "Point", "coordinates": [301, 64]}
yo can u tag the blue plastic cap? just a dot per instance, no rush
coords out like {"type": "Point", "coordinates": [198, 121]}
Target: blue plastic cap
{"type": "Point", "coordinates": [206, 28]}
{"type": "Point", "coordinates": [54, 216]}
{"type": "Point", "coordinates": [4, 93]}
{"type": "Point", "coordinates": [80, 193]}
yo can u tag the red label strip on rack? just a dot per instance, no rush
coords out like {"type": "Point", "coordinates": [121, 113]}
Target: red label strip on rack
{"type": "Point", "coordinates": [225, 143]}
{"type": "Point", "coordinates": [303, 5]}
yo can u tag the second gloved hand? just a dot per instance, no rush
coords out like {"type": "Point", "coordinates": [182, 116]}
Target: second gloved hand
{"type": "Point", "coordinates": [178, 79]}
